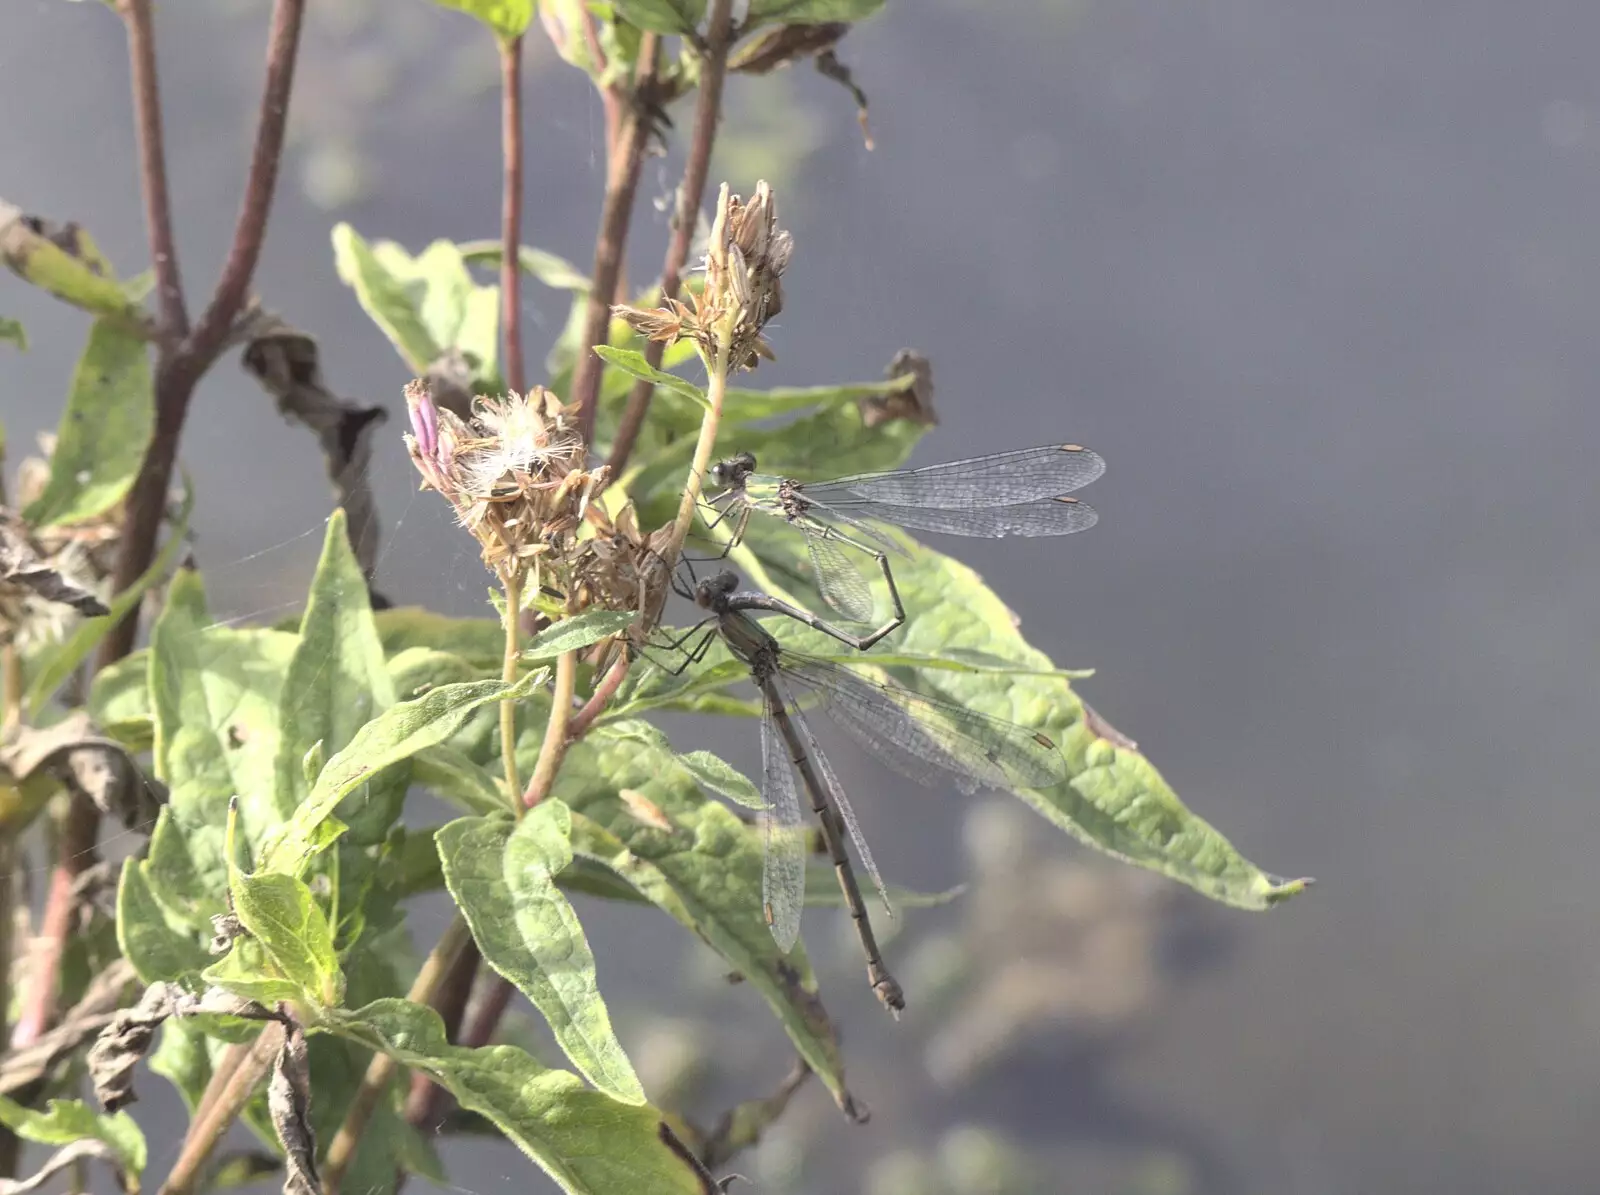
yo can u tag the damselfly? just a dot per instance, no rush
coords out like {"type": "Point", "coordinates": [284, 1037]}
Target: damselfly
{"type": "Point", "coordinates": [927, 739]}
{"type": "Point", "coordinates": [1025, 492]}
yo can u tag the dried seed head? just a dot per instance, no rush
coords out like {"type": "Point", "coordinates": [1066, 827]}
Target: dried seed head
{"type": "Point", "coordinates": [514, 473]}
{"type": "Point", "coordinates": [744, 265]}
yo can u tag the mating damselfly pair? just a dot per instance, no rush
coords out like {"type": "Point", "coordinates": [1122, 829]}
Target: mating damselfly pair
{"type": "Point", "coordinates": [925, 738]}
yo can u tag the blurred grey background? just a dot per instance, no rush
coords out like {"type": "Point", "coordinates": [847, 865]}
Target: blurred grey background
{"type": "Point", "coordinates": [1312, 277]}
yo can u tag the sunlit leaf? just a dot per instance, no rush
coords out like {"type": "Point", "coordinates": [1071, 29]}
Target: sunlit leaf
{"type": "Point", "coordinates": [456, 777]}
{"type": "Point", "coordinates": [555, 272]}
{"type": "Point", "coordinates": [579, 631]}
{"type": "Point", "coordinates": [151, 939]}
{"type": "Point", "coordinates": [586, 1141]}
{"type": "Point", "coordinates": [634, 363]}
{"type": "Point", "coordinates": [103, 433]}
{"type": "Point", "coordinates": [721, 777]}
{"type": "Point", "coordinates": [661, 16]}
{"type": "Point", "coordinates": [505, 18]}
{"type": "Point", "coordinates": [503, 878]}
{"type": "Point", "coordinates": [65, 262]}
{"type": "Point", "coordinates": [396, 734]}
{"type": "Point", "coordinates": [705, 872]}
{"type": "Point", "coordinates": [281, 913]}
{"type": "Point", "coordinates": [65, 1121]}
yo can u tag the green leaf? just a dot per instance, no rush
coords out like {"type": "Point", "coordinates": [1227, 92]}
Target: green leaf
{"type": "Point", "coordinates": [62, 661]}
{"type": "Point", "coordinates": [158, 946]}
{"type": "Point", "coordinates": [119, 701]}
{"type": "Point", "coordinates": [214, 696]}
{"type": "Point", "coordinates": [247, 970]}
{"type": "Point", "coordinates": [722, 777]}
{"type": "Point", "coordinates": [1115, 799]}
{"type": "Point", "coordinates": [103, 434]}
{"type": "Point", "coordinates": [579, 631]}
{"type": "Point", "coordinates": [705, 872]}
{"type": "Point", "coordinates": [337, 682]}
{"type": "Point", "coordinates": [417, 669]}
{"type": "Point", "coordinates": [505, 18]}
{"type": "Point", "coordinates": [503, 878]}
{"type": "Point", "coordinates": [634, 363]}
{"type": "Point", "coordinates": [285, 918]}
{"type": "Point", "coordinates": [555, 272]}
{"type": "Point", "coordinates": [586, 1141]}
{"type": "Point", "coordinates": [397, 733]}
{"type": "Point", "coordinates": [421, 303]}
{"type": "Point", "coordinates": [746, 406]}
{"type": "Point", "coordinates": [661, 16]}
{"type": "Point", "coordinates": [809, 12]}
{"type": "Point", "coordinates": [456, 777]}
{"type": "Point", "coordinates": [479, 641]}
{"type": "Point", "coordinates": [65, 1121]}
{"type": "Point", "coordinates": [13, 331]}
{"type": "Point", "coordinates": [68, 264]}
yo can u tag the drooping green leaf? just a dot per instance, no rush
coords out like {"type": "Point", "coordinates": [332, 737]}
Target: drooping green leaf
{"type": "Point", "coordinates": [396, 734]}
{"type": "Point", "coordinates": [503, 879]}
{"type": "Point", "coordinates": [453, 775]}
{"type": "Point", "coordinates": [337, 682]}
{"type": "Point", "coordinates": [1114, 799]}
{"type": "Point", "coordinates": [809, 12]}
{"type": "Point", "coordinates": [479, 641]}
{"type": "Point", "coordinates": [104, 431]}
{"type": "Point", "coordinates": [422, 303]}
{"type": "Point", "coordinates": [151, 939]}
{"type": "Point", "coordinates": [634, 363]}
{"type": "Point", "coordinates": [555, 272]}
{"type": "Point", "coordinates": [65, 1121]}
{"type": "Point", "coordinates": [579, 631]}
{"type": "Point", "coordinates": [214, 695]}
{"type": "Point", "coordinates": [720, 776]}
{"type": "Point", "coordinates": [66, 263]}
{"type": "Point", "coordinates": [586, 1141]}
{"type": "Point", "coordinates": [12, 330]}
{"type": "Point", "coordinates": [645, 820]}
{"type": "Point", "coordinates": [283, 915]}
{"type": "Point", "coordinates": [505, 18]}
{"type": "Point", "coordinates": [662, 16]}
{"type": "Point", "coordinates": [61, 661]}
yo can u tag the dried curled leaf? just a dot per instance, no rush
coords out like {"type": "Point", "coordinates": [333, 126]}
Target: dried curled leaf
{"type": "Point", "coordinates": [87, 764]}
{"type": "Point", "coordinates": [286, 363]}
{"type": "Point", "coordinates": [26, 570]}
{"type": "Point", "coordinates": [289, 1105]}
{"type": "Point", "coordinates": [64, 1157]}
{"type": "Point", "coordinates": [127, 1038]}
{"type": "Point", "coordinates": [87, 1018]}
{"type": "Point", "coordinates": [914, 404]}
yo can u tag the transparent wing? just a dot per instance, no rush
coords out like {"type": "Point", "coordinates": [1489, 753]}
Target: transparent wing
{"type": "Point", "coordinates": [1001, 479]}
{"type": "Point", "coordinates": [930, 740]}
{"type": "Point", "coordinates": [841, 802]}
{"type": "Point", "coordinates": [783, 878]}
{"type": "Point", "coordinates": [838, 580]}
{"type": "Point", "coordinates": [1052, 516]}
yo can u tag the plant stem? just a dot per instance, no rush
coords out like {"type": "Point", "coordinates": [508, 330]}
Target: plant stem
{"type": "Point", "coordinates": [511, 211]}
{"type": "Point", "coordinates": [153, 169]}
{"type": "Point", "coordinates": [708, 109]}
{"type": "Point", "coordinates": [508, 673]}
{"type": "Point", "coordinates": [10, 691]}
{"type": "Point", "coordinates": [716, 386]}
{"type": "Point", "coordinates": [450, 1002]}
{"type": "Point", "coordinates": [225, 1097]}
{"type": "Point", "coordinates": [342, 1150]}
{"type": "Point", "coordinates": [623, 166]}
{"type": "Point", "coordinates": [599, 699]}
{"type": "Point", "coordinates": [554, 748]}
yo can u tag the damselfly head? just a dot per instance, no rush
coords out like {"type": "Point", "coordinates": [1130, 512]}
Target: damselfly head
{"type": "Point", "coordinates": [732, 471]}
{"type": "Point", "coordinates": [712, 588]}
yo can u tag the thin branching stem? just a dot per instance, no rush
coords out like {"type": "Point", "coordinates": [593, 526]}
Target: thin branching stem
{"type": "Point", "coordinates": [708, 109]}
{"type": "Point", "coordinates": [511, 212]}
{"type": "Point", "coordinates": [716, 387]}
{"type": "Point", "coordinates": [554, 748]}
{"type": "Point", "coordinates": [624, 164]}
{"type": "Point", "coordinates": [153, 169]}
{"type": "Point", "coordinates": [342, 1150]}
{"type": "Point", "coordinates": [231, 1086]}
{"type": "Point", "coordinates": [599, 699]}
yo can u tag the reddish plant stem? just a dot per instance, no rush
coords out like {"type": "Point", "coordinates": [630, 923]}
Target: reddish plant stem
{"type": "Point", "coordinates": [183, 355]}
{"type": "Point", "coordinates": [708, 109]}
{"type": "Point", "coordinates": [511, 211]}
{"type": "Point", "coordinates": [599, 699]}
{"type": "Point", "coordinates": [425, 1109]}
{"type": "Point", "coordinates": [624, 163]}
{"type": "Point", "coordinates": [153, 169]}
